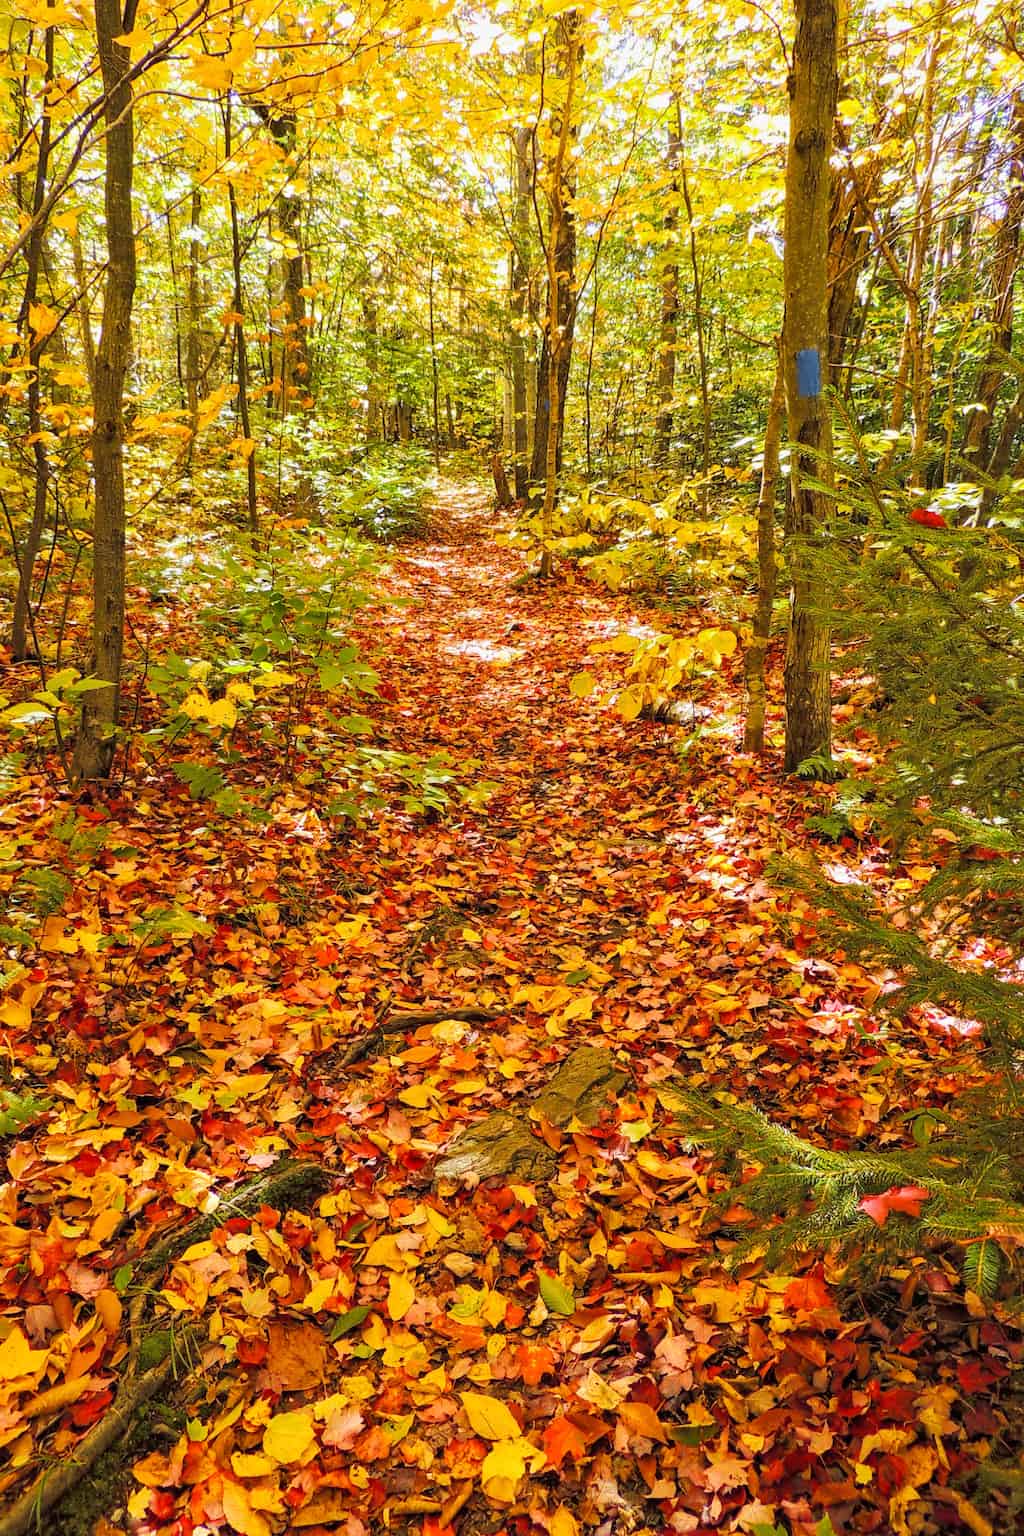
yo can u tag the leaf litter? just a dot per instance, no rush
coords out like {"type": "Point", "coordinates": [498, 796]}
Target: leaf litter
{"type": "Point", "coordinates": [562, 1350]}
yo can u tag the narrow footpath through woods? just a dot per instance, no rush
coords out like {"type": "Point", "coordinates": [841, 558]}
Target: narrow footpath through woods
{"type": "Point", "coordinates": [559, 1347]}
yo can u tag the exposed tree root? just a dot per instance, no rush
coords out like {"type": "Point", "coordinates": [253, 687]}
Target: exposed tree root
{"type": "Point", "coordinates": [398, 1023]}
{"type": "Point", "coordinates": [284, 1185]}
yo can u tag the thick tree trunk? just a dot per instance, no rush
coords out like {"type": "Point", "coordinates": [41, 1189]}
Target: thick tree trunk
{"type": "Point", "coordinates": [754, 660]}
{"type": "Point", "coordinates": [813, 88]}
{"type": "Point", "coordinates": [96, 741]}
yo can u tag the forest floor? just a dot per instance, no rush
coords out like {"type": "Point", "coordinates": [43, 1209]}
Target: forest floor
{"type": "Point", "coordinates": [561, 1349]}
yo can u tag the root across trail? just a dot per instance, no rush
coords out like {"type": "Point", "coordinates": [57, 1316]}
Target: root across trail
{"type": "Point", "coordinates": [506, 1304]}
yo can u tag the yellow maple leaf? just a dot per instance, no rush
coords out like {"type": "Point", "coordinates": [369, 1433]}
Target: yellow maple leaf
{"type": "Point", "coordinates": [401, 1295]}
{"type": "Point", "coordinates": [505, 1465]}
{"type": "Point", "coordinates": [239, 1512]}
{"type": "Point", "coordinates": [489, 1417]}
{"type": "Point", "coordinates": [251, 1464]}
{"type": "Point", "coordinates": [18, 1359]}
{"type": "Point", "coordinates": [42, 319]}
{"type": "Point", "coordinates": [288, 1437]}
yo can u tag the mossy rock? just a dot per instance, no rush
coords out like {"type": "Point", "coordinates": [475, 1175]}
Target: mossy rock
{"type": "Point", "coordinates": [504, 1145]}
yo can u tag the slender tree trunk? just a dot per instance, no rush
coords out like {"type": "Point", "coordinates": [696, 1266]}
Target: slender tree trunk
{"type": "Point", "coordinates": [96, 741]}
{"type": "Point", "coordinates": [1004, 277]}
{"type": "Point", "coordinates": [520, 286]}
{"type": "Point", "coordinates": [295, 365]}
{"type": "Point", "coordinates": [561, 253]}
{"type": "Point", "coordinates": [702, 356]}
{"type": "Point", "coordinates": [241, 346]}
{"type": "Point", "coordinates": [36, 345]}
{"type": "Point", "coordinates": [665, 382]}
{"type": "Point", "coordinates": [193, 345]}
{"type": "Point", "coordinates": [179, 350]}
{"type": "Point", "coordinates": [587, 402]}
{"type": "Point", "coordinates": [373, 397]}
{"type": "Point", "coordinates": [754, 660]}
{"type": "Point", "coordinates": [813, 88]}
{"type": "Point", "coordinates": [84, 308]}
{"type": "Point", "coordinates": [436, 388]}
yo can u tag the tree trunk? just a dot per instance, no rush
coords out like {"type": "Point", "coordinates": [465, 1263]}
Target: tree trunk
{"type": "Point", "coordinates": [813, 88]}
{"type": "Point", "coordinates": [241, 345]}
{"type": "Point", "coordinates": [96, 740]}
{"type": "Point", "coordinates": [435, 381]}
{"type": "Point", "coordinates": [754, 660]}
{"type": "Point", "coordinates": [561, 265]}
{"type": "Point", "coordinates": [520, 285]}
{"type": "Point", "coordinates": [193, 344]}
{"type": "Point", "coordinates": [83, 308]}
{"type": "Point", "coordinates": [702, 355]}
{"type": "Point", "coordinates": [35, 346]}
{"type": "Point", "coordinates": [1004, 276]}
{"type": "Point", "coordinates": [374, 429]}
{"type": "Point", "coordinates": [665, 381]}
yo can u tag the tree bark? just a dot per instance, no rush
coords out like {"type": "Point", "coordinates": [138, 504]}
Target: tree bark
{"type": "Point", "coordinates": [241, 345]}
{"type": "Point", "coordinates": [668, 329]}
{"type": "Point", "coordinates": [702, 353]}
{"type": "Point", "coordinates": [1006, 262]}
{"type": "Point", "coordinates": [193, 343]}
{"type": "Point", "coordinates": [813, 89]}
{"type": "Point", "coordinates": [520, 286]}
{"type": "Point", "coordinates": [96, 740]}
{"type": "Point", "coordinates": [294, 373]}
{"type": "Point", "coordinates": [35, 346]}
{"type": "Point", "coordinates": [561, 272]}
{"type": "Point", "coordinates": [754, 660]}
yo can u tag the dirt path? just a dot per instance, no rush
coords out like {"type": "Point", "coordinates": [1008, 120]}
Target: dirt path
{"type": "Point", "coordinates": [563, 1353]}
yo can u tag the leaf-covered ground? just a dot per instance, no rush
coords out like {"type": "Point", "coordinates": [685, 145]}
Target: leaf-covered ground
{"type": "Point", "coordinates": [563, 1353]}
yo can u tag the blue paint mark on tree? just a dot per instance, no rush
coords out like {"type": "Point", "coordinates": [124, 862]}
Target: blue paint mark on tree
{"type": "Point", "coordinates": [808, 373]}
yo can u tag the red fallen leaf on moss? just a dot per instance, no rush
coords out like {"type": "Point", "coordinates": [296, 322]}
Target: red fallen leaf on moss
{"type": "Point", "coordinates": [907, 1199]}
{"type": "Point", "coordinates": [927, 518]}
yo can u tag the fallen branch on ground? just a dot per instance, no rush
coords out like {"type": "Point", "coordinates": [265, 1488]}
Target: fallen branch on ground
{"type": "Point", "coordinates": [282, 1186]}
{"type": "Point", "coordinates": [398, 1023]}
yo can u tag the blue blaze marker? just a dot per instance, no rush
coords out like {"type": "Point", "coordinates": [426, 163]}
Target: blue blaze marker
{"type": "Point", "coordinates": [808, 373]}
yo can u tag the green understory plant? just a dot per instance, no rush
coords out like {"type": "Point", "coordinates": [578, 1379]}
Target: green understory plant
{"type": "Point", "coordinates": [934, 614]}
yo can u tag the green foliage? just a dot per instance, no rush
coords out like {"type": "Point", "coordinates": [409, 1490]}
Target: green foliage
{"type": "Point", "coordinates": [663, 670]}
{"type": "Point", "coordinates": [425, 785]}
{"type": "Point", "coordinates": [17, 1112]}
{"type": "Point", "coordinates": [670, 545]}
{"type": "Point", "coordinates": [38, 893]}
{"type": "Point", "coordinates": [383, 494]}
{"type": "Point", "coordinates": [934, 620]}
{"type": "Point", "coordinates": [53, 709]}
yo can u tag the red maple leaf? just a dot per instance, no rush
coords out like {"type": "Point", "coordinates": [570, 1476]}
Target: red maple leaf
{"type": "Point", "coordinates": [927, 518]}
{"type": "Point", "coordinates": [562, 1438]}
{"type": "Point", "coordinates": [907, 1198]}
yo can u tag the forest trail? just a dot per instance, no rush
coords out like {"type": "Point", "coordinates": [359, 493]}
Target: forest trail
{"type": "Point", "coordinates": [563, 1345]}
